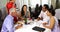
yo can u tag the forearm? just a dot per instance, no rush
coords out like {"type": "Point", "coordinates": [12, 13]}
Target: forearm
{"type": "Point", "coordinates": [48, 27]}
{"type": "Point", "coordinates": [38, 18]}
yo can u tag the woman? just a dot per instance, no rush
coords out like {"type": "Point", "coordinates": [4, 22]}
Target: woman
{"type": "Point", "coordinates": [10, 5]}
{"type": "Point", "coordinates": [24, 12]}
{"type": "Point", "coordinates": [53, 22]}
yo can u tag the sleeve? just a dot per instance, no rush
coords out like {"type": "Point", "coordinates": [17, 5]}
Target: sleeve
{"type": "Point", "coordinates": [46, 19]}
{"type": "Point", "coordinates": [40, 14]}
{"type": "Point", "coordinates": [10, 26]}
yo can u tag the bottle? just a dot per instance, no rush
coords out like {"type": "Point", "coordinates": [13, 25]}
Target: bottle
{"type": "Point", "coordinates": [25, 20]}
{"type": "Point", "coordinates": [33, 18]}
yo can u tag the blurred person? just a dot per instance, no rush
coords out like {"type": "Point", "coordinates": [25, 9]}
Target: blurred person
{"type": "Point", "coordinates": [40, 8]}
{"type": "Point", "coordinates": [9, 5]}
{"type": "Point", "coordinates": [31, 13]}
{"type": "Point", "coordinates": [30, 10]}
{"type": "Point", "coordinates": [51, 7]}
{"type": "Point", "coordinates": [36, 11]}
{"type": "Point", "coordinates": [24, 12]}
{"type": "Point", "coordinates": [53, 22]}
{"type": "Point", "coordinates": [43, 16]}
{"type": "Point", "coordinates": [8, 24]}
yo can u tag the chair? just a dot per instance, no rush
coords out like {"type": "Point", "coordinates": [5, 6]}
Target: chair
{"type": "Point", "coordinates": [57, 15]}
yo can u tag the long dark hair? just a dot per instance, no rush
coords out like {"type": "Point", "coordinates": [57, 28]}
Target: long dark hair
{"type": "Point", "coordinates": [22, 11]}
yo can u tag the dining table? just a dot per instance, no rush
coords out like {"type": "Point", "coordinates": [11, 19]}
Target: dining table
{"type": "Point", "coordinates": [28, 27]}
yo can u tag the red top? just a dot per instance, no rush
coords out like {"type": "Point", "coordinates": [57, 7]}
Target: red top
{"type": "Point", "coordinates": [9, 6]}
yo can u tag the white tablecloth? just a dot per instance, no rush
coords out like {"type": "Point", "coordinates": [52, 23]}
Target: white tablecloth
{"type": "Point", "coordinates": [28, 28]}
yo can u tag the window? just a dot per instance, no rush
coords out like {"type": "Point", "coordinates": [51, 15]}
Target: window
{"type": "Point", "coordinates": [44, 2]}
{"type": "Point", "coordinates": [34, 2]}
{"type": "Point", "coordinates": [25, 2]}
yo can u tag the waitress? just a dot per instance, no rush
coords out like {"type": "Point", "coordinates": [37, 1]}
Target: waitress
{"type": "Point", "coordinates": [9, 5]}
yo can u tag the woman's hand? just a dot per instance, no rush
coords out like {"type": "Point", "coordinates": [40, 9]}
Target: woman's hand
{"type": "Point", "coordinates": [45, 23]}
{"type": "Point", "coordinates": [19, 26]}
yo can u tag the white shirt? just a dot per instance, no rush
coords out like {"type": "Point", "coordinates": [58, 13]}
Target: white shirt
{"type": "Point", "coordinates": [44, 15]}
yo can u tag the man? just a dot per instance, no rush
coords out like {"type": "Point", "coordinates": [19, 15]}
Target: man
{"type": "Point", "coordinates": [8, 25]}
{"type": "Point", "coordinates": [9, 5]}
{"type": "Point", "coordinates": [43, 15]}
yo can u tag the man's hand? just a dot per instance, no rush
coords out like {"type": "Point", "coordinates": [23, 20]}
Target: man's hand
{"type": "Point", "coordinates": [19, 26]}
{"type": "Point", "coordinates": [41, 18]}
{"type": "Point", "coordinates": [38, 18]}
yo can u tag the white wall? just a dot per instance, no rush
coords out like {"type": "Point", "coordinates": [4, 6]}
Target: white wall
{"type": "Point", "coordinates": [3, 3]}
{"type": "Point", "coordinates": [53, 2]}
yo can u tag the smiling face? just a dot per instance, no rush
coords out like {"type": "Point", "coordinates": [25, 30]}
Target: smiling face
{"type": "Point", "coordinates": [14, 14]}
{"type": "Point", "coordinates": [25, 8]}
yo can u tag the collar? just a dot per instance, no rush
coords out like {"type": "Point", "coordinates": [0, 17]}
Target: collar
{"type": "Point", "coordinates": [11, 16]}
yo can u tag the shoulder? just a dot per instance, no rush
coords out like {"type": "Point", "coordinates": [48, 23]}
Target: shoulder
{"type": "Point", "coordinates": [42, 11]}
{"type": "Point", "coordinates": [52, 18]}
{"type": "Point", "coordinates": [9, 17]}
{"type": "Point", "coordinates": [6, 19]}
{"type": "Point", "coordinates": [9, 3]}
